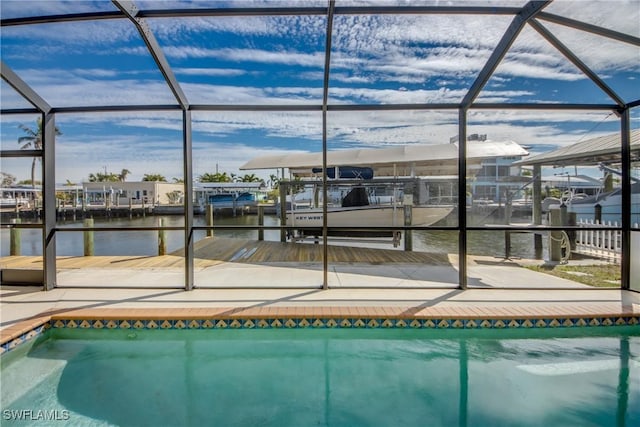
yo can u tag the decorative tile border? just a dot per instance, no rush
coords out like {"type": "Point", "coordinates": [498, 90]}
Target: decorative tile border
{"type": "Point", "coordinates": [13, 342]}
{"type": "Point", "coordinates": [344, 323]}
{"type": "Point", "coordinates": [359, 322]}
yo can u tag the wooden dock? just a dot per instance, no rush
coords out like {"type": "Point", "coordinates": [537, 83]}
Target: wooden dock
{"type": "Point", "coordinates": [215, 250]}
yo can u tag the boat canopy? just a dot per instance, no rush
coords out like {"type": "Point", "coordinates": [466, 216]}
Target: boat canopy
{"type": "Point", "coordinates": [404, 160]}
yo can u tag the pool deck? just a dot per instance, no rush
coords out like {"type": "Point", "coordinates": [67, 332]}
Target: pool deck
{"type": "Point", "coordinates": [24, 308]}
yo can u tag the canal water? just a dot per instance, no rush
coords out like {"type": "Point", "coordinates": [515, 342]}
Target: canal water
{"type": "Point", "coordinates": [70, 243]}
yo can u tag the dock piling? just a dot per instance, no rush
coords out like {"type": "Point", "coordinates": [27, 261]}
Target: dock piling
{"type": "Point", "coordinates": [408, 234]}
{"type": "Point", "coordinates": [260, 222]}
{"type": "Point", "coordinates": [162, 238]}
{"type": "Point", "coordinates": [209, 214]}
{"type": "Point", "coordinates": [15, 239]}
{"type": "Point", "coordinates": [89, 248]}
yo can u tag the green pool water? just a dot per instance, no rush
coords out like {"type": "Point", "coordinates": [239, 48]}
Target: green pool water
{"type": "Point", "coordinates": [325, 377]}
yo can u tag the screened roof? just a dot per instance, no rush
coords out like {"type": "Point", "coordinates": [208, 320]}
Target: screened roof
{"type": "Point", "coordinates": [392, 52]}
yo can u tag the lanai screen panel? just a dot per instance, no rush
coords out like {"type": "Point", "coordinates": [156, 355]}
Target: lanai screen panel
{"type": "Point", "coordinates": [246, 59]}
{"type": "Point", "coordinates": [87, 63]}
{"type": "Point", "coordinates": [412, 59]}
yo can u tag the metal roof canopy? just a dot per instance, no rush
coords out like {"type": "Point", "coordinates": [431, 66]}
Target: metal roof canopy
{"type": "Point", "coordinates": [603, 149]}
{"type": "Point", "coordinates": [406, 160]}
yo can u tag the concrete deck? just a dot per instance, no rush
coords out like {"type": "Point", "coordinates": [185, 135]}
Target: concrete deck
{"type": "Point", "coordinates": [498, 289]}
{"type": "Point", "coordinates": [19, 303]}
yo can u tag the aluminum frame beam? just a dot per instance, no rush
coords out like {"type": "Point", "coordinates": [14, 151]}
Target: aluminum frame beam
{"type": "Point", "coordinates": [131, 11]}
{"type": "Point", "coordinates": [187, 150]}
{"type": "Point", "coordinates": [9, 76]}
{"type": "Point", "coordinates": [264, 11]}
{"type": "Point", "coordinates": [528, 12]}
{"type": "Point", "coordinates": [49, 201]}
{"type": "Point", "coordinates": [336, 107]}
{"type": "Point", "coordinates": [625, 142]}
{"type": "Point", "coordinates": [593, 29]}
{"type": "Point", "coordinates": [462, 199]}
{"type": "Point", "coordinates": [544, 32]}
{"type": "Point", "coordinates": [325, 100]}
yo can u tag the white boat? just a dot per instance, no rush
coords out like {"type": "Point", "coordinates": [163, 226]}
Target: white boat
{"type": "Point", "coordinates": [610, 205]}
{"type": "Point", "coordinates": [13, 198]}
{"type": "Point", "coordinates": [400, 165]}
{"type": "Point", "coordinates": [359, 208]}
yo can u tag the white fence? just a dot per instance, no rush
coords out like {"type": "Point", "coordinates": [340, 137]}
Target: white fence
{"type": "Point", "coordinates": [603, 242]}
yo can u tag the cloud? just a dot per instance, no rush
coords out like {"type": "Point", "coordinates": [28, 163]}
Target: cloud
{"type": "Point", "coordinates": [210, 72]}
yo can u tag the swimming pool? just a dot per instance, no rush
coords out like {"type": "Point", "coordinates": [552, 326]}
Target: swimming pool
{"type": "Point", "coordinates": [326, 377]}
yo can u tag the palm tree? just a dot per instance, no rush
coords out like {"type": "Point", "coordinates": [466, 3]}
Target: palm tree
{"type": "Point", "coordinates": [250, 178]}
{"type": "Point", "coordinates": [7, 179]}
{"type": "Point", "coordinates": [104, 177]}
{"type": "Point", "coordinates": [33, 140]}
{"type": "Point", "coordinates": [154, 177]}
{"type": "Point", "coordinates": [215, 177]}
{"type": "Point", "coordinates": [274, 181]}
{"type": "Point", "coordinates": [123, 175]}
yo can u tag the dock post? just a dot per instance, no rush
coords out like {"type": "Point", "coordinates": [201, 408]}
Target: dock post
{"type": "Point", "coordinates": [555, 247]}
{"type": "Point", "coordinates": [130, 208]}
{"type": "Point", "coordinates": [209, 215]}
{"type": "Point", "coordinates": [537, 209]}
{"type": "Point", "coordinates": [162, 238]}
{"type": "Point", "coordinates": [507, 221]}
{"type": "Point", "coordinates": [283, 209]}
{"type": "Point", "coordinates": [408, 234]}
{"type": "Point", "coordinates": [597, 215]}
{"type": "Point", "coordinates": [260, 222]}
{"type": "Point", "coordinates": [89, 248]}
{"type": "Point", "coordinates": [15, 249]}
{"type": "Point", "coordinates": [572, 221]}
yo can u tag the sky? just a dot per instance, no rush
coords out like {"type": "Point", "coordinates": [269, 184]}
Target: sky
{"type": "Point", "coordinates": [375, 59]}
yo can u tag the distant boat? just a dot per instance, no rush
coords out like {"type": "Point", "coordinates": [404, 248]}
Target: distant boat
{"type": "Point", "coordinates": [15, 197]}
{"type": "Point", "coordinates": [610, 203]}
{"type": "Point", "coordinates": [232, 200]}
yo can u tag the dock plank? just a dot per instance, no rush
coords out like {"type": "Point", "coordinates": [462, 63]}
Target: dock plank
{"type": "Point", "coordinates": [214, 250]}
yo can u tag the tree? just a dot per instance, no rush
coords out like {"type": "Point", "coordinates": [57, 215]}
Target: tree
{"type": "Point", "coordinates": [7, 179]}
{"type": "Point", "coordinates": [156, 177]}
{"type": "Point", "coordinates": [178, 180]}
{"type": "Point", "coordinates": [274, 181]}
{"type": "Point", "coordinates": [104, 177]}
{"type": "Point", "coordinates": [215, 177]}
{"type": "Point", "coordinates": [250, 178]}
{"type": "Point", "coordinates": [175, 197]}
{"type": "Point", "coordinates": [123, 175]}
{"type": "Point", "coordinates": [33, 140]}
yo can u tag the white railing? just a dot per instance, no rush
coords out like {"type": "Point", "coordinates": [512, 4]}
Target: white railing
{"type": "Point", "coordinates": [603, 242]}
